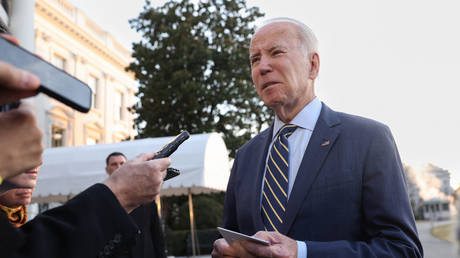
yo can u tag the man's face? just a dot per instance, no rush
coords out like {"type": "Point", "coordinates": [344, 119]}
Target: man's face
{"type": "Point", "coordinates": [20, 196]}
{"type": "Point", "coordinates": [16, 197]}
{"type": "Point", "coordinates": [114, 163]}
{"type": "Point", "coordinates": [27, 179]}
{"type": "Point", "coordinates": [280, 69]}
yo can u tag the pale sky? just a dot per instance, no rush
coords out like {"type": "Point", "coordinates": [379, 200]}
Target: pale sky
{"type": "Point", "coordinates": [394, 61]}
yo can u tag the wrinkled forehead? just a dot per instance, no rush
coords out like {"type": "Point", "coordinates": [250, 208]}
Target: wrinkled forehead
{"type": "Point", "coordinates": [274, 34]}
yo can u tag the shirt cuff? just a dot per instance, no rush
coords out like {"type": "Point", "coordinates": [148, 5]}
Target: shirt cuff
{"type": "Point", "coordinates": [301, 249]}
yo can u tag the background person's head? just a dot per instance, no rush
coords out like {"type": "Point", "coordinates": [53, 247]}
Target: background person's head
{"type": "Point", "coordinates": [114, 161]}
{"type": "Point", "coordinates": [20, 196]}
{"type": "Point", "coordinates": [284, 65]}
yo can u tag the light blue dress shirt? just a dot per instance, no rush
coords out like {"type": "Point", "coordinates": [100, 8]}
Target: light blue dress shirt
{"type": "Point", "coordinates": [298, 141]}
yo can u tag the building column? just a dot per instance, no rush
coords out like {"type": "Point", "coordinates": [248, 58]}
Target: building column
{"type": "Point", "coordinates": [22, 22]}
{"type": "Point", "coordinates": [108, 109]}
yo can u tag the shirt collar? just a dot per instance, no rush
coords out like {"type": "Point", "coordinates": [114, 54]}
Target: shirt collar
{"type": "Point", "coordinates": [306, 118]}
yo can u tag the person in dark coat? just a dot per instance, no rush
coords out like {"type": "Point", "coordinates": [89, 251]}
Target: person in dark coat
{"type": "Point", "coordinates": [150, 241]}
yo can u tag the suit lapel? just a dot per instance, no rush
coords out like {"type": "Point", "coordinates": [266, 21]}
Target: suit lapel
{"type": "Point", "coordinates": [260, 155]}
{"type": "Point", "coordinates": [321, 142]}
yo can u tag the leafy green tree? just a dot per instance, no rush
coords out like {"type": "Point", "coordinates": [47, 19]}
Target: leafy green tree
{"type": "Point", "coordinates": [193, 69]}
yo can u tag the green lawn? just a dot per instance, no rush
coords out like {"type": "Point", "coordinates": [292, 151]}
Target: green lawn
{"type": "Point", "coordinates": [444, 232]}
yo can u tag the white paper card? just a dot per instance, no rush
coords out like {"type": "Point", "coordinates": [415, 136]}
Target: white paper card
{"type": "Point", "coordinates": [231, 236]}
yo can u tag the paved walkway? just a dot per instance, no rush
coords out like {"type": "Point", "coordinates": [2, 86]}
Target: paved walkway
{"type": "Point", "coordinates": [434, 247]}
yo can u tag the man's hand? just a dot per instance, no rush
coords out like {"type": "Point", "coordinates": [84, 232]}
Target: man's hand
{"type": "Point", "coordinates": [280, 245]}
{"type": "Point", "coordinates": [15, 84]}
{"type": "Point", "coordinates": [21, 149]}
{"type": "Point", "coordinates": [138, 181]}
{"type": "Point", "coordinates": [222, 249]}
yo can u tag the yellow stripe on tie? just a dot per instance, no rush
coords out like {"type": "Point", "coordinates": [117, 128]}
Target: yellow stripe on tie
{"type": "Point", "coordinates": [276, 181]}
{"type": "Point", "coordinates": [271, 223]}
{"type": "Point", "coordinates": [276, 198]}
{"type": "Point", "coordinates": [279, 154]}
{"type": "Point", "coordinates": [273, 209]}
{"type": "Point", "coordinates": [276, 165]}
{"type": "Point", "coordinates": [282, 144]}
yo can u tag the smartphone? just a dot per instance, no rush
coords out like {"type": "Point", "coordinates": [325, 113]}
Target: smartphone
{"type": "Point", "coordinates": [171, 146]}
{"type": "Point", "coordinates": [231, 236]}
{"type": "Point", "coordinates": [168, 149]}
{"type": "Point", "coordinates": [54, 82]}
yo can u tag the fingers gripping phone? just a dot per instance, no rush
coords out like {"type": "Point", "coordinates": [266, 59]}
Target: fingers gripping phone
{"type": "Point", "coordinates": [53, 81]}
{"type": "Point", "coordinates": [168, 149]}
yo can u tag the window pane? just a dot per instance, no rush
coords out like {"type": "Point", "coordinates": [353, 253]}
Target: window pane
{"type": "Point", "coordinates": [57, 136]}
{"type": "Point", "coordinates": [118, 105]}
{"type": "Point", "coordinates": [90, 141]}
{"type": "Point", "coordinates": [59, 62]}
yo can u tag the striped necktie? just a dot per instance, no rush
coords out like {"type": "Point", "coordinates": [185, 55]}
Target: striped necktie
{"type": "Point", "coordinates": [274, 199]}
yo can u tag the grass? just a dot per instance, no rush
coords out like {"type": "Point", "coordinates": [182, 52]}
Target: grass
{"type": "Point", "coordinates": [444, 232]}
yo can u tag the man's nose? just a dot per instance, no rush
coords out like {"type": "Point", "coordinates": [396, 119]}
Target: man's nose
{"type": "Point", "coordinates": [265, 65]}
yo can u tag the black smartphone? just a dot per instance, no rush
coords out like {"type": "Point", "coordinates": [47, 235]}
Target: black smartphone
{"type": "Point", "coordinates": [54, 82]}
{"type": "Point", "coordinates": [168, 149]}
{"type": "Point", "coordinates": [171, 146]}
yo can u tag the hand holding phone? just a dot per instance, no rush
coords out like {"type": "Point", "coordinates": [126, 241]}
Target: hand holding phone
{"type": "Point", "coordinates": [53, 81]}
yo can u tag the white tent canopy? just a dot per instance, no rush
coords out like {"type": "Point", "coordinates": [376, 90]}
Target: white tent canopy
{"type": "Point", "coordinates": [66, 171]}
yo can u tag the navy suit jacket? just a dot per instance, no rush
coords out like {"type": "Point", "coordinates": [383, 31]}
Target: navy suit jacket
{"type": "Point", "coordinates": [349, 198]}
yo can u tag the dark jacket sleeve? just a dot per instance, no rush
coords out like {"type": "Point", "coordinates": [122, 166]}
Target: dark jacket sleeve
{"type": "Point", "coordinates": [91, 224]}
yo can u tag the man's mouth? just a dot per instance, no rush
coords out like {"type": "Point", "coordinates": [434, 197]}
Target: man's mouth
{"type": "Point", "coordinates": [33, 172]}
{"type": "Point", "coordinates": [268, 84]}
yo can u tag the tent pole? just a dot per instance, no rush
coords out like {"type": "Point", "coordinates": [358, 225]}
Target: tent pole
{"type": "Point", "coordinates": [158, 203]}
{"type": "Point", "coordinates": [192, 221]}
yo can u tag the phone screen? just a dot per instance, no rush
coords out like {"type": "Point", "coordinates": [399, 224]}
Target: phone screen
{"type": "Point", "coordinates": [54, 82]}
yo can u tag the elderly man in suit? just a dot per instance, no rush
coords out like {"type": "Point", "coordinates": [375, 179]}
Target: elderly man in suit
{"type": "Point", "coordinates": [317, 183]}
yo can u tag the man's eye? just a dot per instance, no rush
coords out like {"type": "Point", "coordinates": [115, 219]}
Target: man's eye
{"type": "Point", "coordinates": [277, 52]}
{"type": "Point", "coordinates": [254, 60]}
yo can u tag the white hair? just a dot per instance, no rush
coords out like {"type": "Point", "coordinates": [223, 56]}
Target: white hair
{"type": "Point", "coordinates": [307, 38]}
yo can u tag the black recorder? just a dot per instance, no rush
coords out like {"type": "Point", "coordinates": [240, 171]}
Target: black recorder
{"type": "Point", "coordinates": [53, 81]}
{"type": "Point", "coordinates": [168, 149]}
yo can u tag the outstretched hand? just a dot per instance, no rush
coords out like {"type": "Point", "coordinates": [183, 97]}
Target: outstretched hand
{"type": "Point", "coordinates": [138, 181]}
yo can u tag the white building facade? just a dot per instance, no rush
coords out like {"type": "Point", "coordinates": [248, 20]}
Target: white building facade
{"type": "Point", "coordinates": [63, 35]}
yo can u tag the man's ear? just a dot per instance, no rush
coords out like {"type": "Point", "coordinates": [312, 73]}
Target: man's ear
{"type": "Point", "coordinates": [314, 66]}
